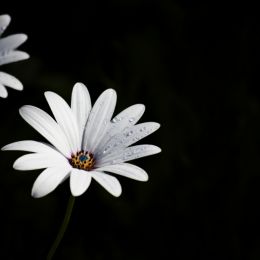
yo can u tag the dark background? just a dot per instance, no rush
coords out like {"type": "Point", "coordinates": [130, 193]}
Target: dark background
{"type": "Point", "coordinates": [194, 66]}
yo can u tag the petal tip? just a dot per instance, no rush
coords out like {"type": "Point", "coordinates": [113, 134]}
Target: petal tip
{"type": "Point", "coordinates": [24, 37]}
{"type": "Point", "coordinates": [26, 56]}
{"type": "Point", "coordinates": [4, 95]}
{"type": "Point", "coordinates": [145, 178]}
{"type": "Point", "coordinates": [21, 37]}
{"type": "Point", "coordinates": [117, 194]}
{"type": "Point", "coordinates": [79, 84]}
{"type": "Point", "coordinates": [75, 194]}
{"type": "Point", "coordinates": [5, 19]}
{"type": "Point", "coordinates": [22, 110]}
{"type": "Point", "coordinates": [110, 91]}
{"type": "Point", "coordinates": [47, 93]}
{"type": "Point", "coordinates": [158, 125]}
{"type": "Point", "coordinates": [141, 107]}
{"type": "Point", "coordinates": [16, 165]}
{"type": "Point", "coordinates": [158, 150]}
{"type": "Point", "coordinates": [35, 194]}
{"type": "Point", "coordinates": [79, 87]}
{"type": "Point", "coordinates": [4, 148]}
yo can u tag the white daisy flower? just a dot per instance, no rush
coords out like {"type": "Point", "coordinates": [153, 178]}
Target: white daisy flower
{"type": "Point", "coordinates": [8, 54]}
{"type": "Point", "coordinates": [84, 142]}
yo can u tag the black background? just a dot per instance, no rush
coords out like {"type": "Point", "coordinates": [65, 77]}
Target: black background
{"type": "Point", "coordinates": [194, 66]}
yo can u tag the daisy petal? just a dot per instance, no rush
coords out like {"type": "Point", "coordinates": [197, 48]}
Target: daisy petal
{"type": "Point", "coordinates": [80, 105]}
{"type": "Point", "coordinates": [4, 22]}
{"type": "Point", "coordinates": [129, 116]}
{"type": "Point", "coordinates": [65, 118]}
{"type": "Point", "coordinates": [35, 161]}
{"type": "Point", "coordinates": [128, 154]}
{"type": "Point", "coordinates": [128, 137]}
{"type": "Point", "coordinates": [98, 119]}
{"type": "Point", "coordinates": [110, 183]}
{"type": "Point", "coordinates": [12, 42]}
{"type": "Point", "coordinates": [30, 146]}
{"type": "Point", "coordinates": [122, 121]}
{"type": "Point", "coordinates": [48, 180]}
{"type": "Point", "coordinates": [13, 56]}
{"type": "Point", "coordinates": [3, 91]}
{"type": "Point", "coordinates": [79, 181]}
{"type": "Point", "coordinates": [127, 170]}
{"type": "Point", "coordinates": [47, 127]}
{"type": "Point", "coordinates": [10, 81]}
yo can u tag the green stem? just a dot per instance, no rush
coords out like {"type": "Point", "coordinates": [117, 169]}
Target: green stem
{"type": "Point", "coordinates": [62, 228]}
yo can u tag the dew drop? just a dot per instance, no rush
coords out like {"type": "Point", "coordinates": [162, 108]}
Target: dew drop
{"type": "Point", "coordinates": [135, 139]}
{"type": "Point", "coordinates": [116, 119]}
{"type": "Point", "coordinates": [127, 155]}
{"type": "Point", "coordinates": [106, 149]}
{"type": "Point", "coordinates": [131, 120]}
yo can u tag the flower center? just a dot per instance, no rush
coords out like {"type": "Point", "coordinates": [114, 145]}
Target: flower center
{"type": "Point", "coordinates": [82, 160]}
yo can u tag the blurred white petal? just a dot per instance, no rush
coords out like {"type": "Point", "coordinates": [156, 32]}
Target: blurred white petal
{"type": "Point", "coordinates": [8, 54]}
{"type": "Point", "coordinates": [4, 22]}
{"type": "Point", "coordinates": [11, 42]}
{"type": "Point", "coordinates": [13, 56]}
{"type": "Point", "coordinates": [10, 81]}
{"type": "Point", "coordinates": [3, 91]}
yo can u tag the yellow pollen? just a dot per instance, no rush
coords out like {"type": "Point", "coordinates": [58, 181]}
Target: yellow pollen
{"type": "Point", "coordinates": [82, 160]}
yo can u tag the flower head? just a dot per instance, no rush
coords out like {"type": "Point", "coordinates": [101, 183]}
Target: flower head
{"type": "Point", "coordinates": [84, 142]}
{"type": "Point", "coordinates": [8, 54]}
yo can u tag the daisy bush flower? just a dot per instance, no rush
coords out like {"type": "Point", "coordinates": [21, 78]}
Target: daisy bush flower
{"type": "Point", "coordinates": [85, 142]}
{"type": "Point", "coordinates": [8, 54]}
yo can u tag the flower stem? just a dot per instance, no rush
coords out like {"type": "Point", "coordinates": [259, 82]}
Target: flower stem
{"type": "Point", "coordinates": [62, 228]}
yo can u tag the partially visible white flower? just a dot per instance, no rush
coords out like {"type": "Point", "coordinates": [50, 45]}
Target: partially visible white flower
{"type": "Point", "coordinates": [8, 54]}
{"type": "Point", "coordinates": [85, 142]}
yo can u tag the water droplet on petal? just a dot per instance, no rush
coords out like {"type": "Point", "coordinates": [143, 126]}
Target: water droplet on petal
{"type": "Point", "coordinates": [106, 149]}
{"type": "Point", "coordinates": [129, 133]}
{"type": "Point", "coordinates": [116, 119]}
